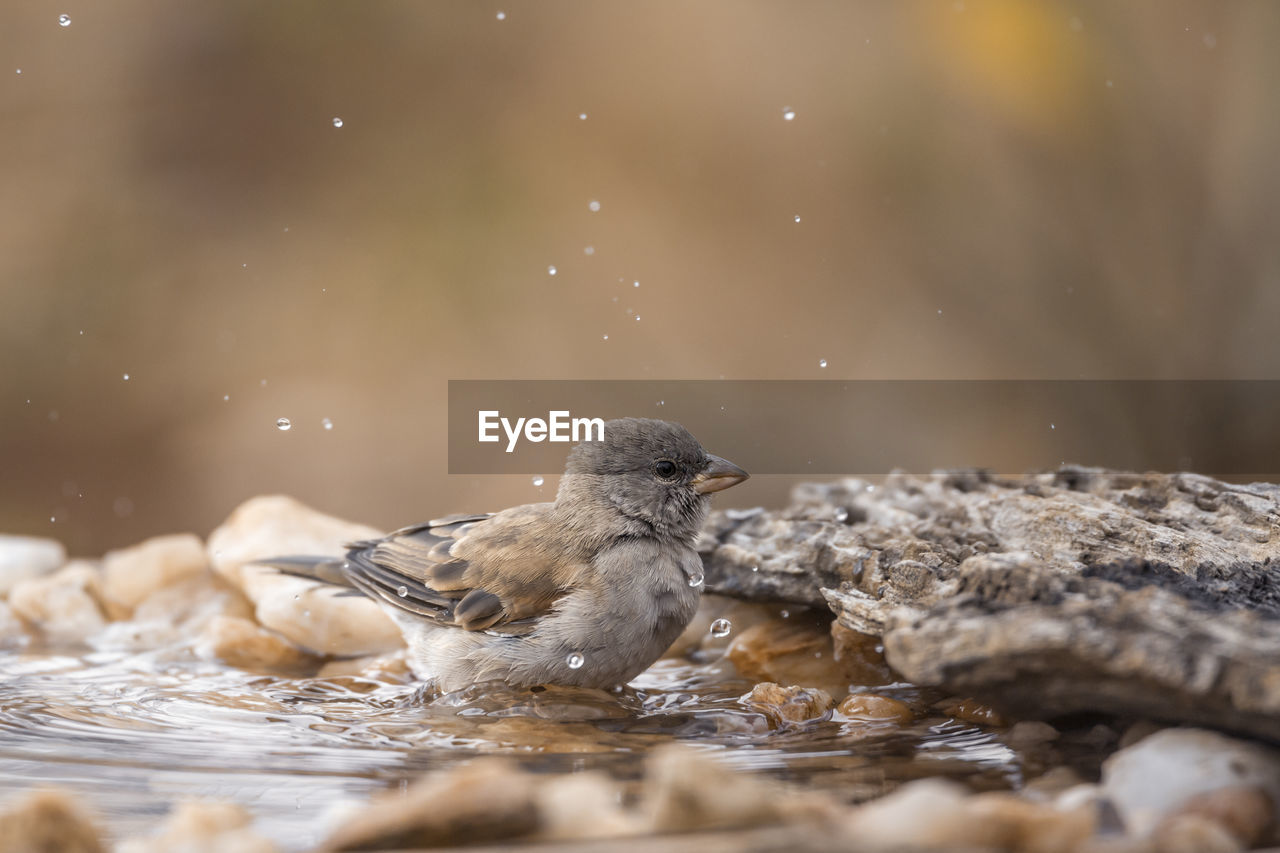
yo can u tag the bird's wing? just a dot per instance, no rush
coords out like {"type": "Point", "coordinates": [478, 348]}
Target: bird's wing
{"type": "Point", "coordinates": [477, 572]}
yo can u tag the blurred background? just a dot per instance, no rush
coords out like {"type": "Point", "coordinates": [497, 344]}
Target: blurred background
{"type": "Point", "coordinates": [218, 215]}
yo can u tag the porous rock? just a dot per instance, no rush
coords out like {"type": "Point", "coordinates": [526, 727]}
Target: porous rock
{"type": "Point", "coordinates": [203, 826]}
{"type": "Point", "coordinates": [789, 704]}
{"type": "Point", "coordinates": [45, 821]}
{"type": "Point", "coordinates": [1080, 590]}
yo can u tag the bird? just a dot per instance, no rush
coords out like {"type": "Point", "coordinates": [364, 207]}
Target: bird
{"type": "Point", "coordinates": [584, 591]}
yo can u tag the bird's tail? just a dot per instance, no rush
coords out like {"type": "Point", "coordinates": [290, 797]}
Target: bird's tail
{"type": "Point", "coordinates": [324, 569]}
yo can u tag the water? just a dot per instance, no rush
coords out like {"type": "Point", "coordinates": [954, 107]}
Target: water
{"type": "Point", "coordinates": [133, 733]}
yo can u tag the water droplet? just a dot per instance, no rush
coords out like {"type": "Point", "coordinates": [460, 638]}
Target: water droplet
{"type": "Point", "coordinates": [786, 614]}
{"type": "Point", "coordinates": [1110, 84]}
{"type": "Point", "coordinates": [402, 591]}
{"type": "Point", "coordinates": [326, 423]}
{"type": "Point", "coordinates": [637, 318]}
{"type": "Point", "coordinates": [662, 402]}
{"type": "Point", "coordinates": [551, 270]}
{"type": "Point", "coordinates": [695, 579]}
{"type": "Point", "coordinates": [502, 16]}
{"type": "Point", "coordinates": [283, 424]}
{"type": "Point", "coordinates": [606, 337]}
{"type": "Point", "coordinates": [575, 660]}
{"type": "Point", "coordinates": [1052, 426]}
{"type": "Point", "coordinates": [82, 331]}
{"type": "Point", "coordinates": [226, 397]}
{"type": "Point", "coordinates": [635, 284]}
{"type": "Point", "coordinates": [788, 114]}
{"type": "Point", "coordinates": [755, 568]}
{"type": "Point", "coordinates": [19, 70]}
{"type": "Point", "coordinates": [797, 217]}
{"type": "Point", "coordinates": [263, 383]}
{"type": "Point", "coordinates": [1210, 41]}
{"type": "Point", "coordinates": [841, 514]}
{"type": "Point", "coordinates": [52, 519]}
{"type": "Point", "coordinates": [721, 628]}
{"type": "Point", "coordinates": [822, 362]}
{"type": "Point", "coordinates": [593, 206]}
{"type": "Point", "coordinates": [590, 250]}
{"type": "Point", "coordinates": [537, 480]}
{"type": "Point", "coordinates": [126, 377]}
{"type": "Point", "coordinates": [582, 116]}
{"type": "Point", "coordinates": [337, 122]}
{"type": "Point", "coordinates": [64, 20]}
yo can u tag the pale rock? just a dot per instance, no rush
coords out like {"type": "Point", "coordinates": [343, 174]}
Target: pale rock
{"type": "Point", "coordinates": [576, 806]}
{"type": "Point", "coordinates": [685, 789]}
{"type": "Point", "coordinates": [1160, 774]}
{"type": "Point", "coordinates": [23, 557]}
{"type": "Point", "coordinates": [1245, 811]}
{"type": "Point", "coordinates": [1193, 833]}
{"type": "Point", "coordinates": [48, 821]}
{"type": "Point", "coordinates": [789, 704]}
{"type": "Point", "coordinates": [927, 813]}
{"type": "Point", "coordinates": [392, 667]}
{"type": "Point", "coordinates": [305, 612]}
{"type": "Point", "coordinates": [274, 526]}
{"type": "Point", "coordinates": [13, 634]}
{"type": "Point", "coordinates": [199, 826]}
{"type": "Point", "coordinates": [1029, 733]}
{"type": "Point", "coordinates": [242, 643]}
{"type": "Point", "coordinates": [488, 800]}
{"type": "Point", "coordinates": [174, 616]}
{"type": "Point", "coordinates": [131, 574]}
{"type": "Point", "coordinates": [1031, 827]}
{"type": "Point", "coordinates": [63, 606]}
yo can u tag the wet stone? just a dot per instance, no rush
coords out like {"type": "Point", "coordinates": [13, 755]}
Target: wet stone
{"type": "Point", "coordinates": [24, 557]}
{"type": "Point", "coordinates": [45, 821]}
{"type": "Point", "coordinates": [130, 575]}
{"type": "Point", "coordinates": [64, 606]}
{"type": "Point", "coordinates": [870, 708]}
{"type": "Point", "coordinates": [789, 704]}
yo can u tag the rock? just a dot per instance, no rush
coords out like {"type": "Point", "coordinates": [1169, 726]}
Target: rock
{"type": "Point", "coordinates": [577, 806]}
{"type": "Point", "coordinates": [131, 574]}
{"type": "Point", "coordinates": [392, 667]}
{"type": "Point", "coordinates": [1166, 772]}
{"type": "Point", "coordinates": [63, 606]}
{"type": "Point", "coordinates": [174, 616]}
{"type": "Point", "coordinates": [200, 826]}
{"type": "Point", "coordinates": [242, 643]}
{"type": "Point", "coordinates": [1245, 811]}
{"type": "Point", "coordinates": [789, 704]}
{"type": "Point", "coordinates": [309, 614]}
{"type": "Point", "coordinates": [934, 814]}
{"type": "Point", "coordinates": [1080, 590]}
{"type": "Point", "coordinates": [487, 801]}
{"type": "Point", "coordinates": [13, 634]}
{"type": "Point", "coordinates": [697, 640]}
{"type": "Point", "coordinates": [24, 557]}
{"type": "Point", "coordinates": [1192, 833]}
{"type": "Point", "coordinates": [48, 822]}
{"type": "Point", "coordinates": [685, 789]}
{"type": "Point", "coordinates": [1030, 733]}
{"type": "Point", "coordinates": [790, 651]}
{"type": "Point", "coordinates": [861, 657]}
{"type": "Point", "coordinates": [971, 711]}
{"type": "Point", "coordinates": [869, 708]}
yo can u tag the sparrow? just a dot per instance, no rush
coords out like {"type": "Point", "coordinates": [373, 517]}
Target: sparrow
{"type": "Point", "coordinates": [585, 591]}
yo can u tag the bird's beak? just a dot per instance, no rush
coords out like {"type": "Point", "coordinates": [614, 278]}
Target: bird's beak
{"type": "Point", "coordinates": [719, 474]}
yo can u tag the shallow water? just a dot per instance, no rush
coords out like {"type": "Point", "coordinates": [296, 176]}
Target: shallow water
{"type": "Point", "coordinates": [135, 732]}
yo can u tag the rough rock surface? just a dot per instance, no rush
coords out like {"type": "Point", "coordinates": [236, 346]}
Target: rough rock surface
{"type": "Point", "coordinates": [1155, 595]}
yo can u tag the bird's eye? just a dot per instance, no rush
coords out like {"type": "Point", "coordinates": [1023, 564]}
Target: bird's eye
{"type": "Point", "coordinates": [665, 468]}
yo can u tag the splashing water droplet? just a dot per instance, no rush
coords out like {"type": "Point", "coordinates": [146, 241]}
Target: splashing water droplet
{"type": "Point", "coordinates": [593, 206]}
{"type": "Point", "coordinates": [402, 591]}
{"type": "Point", "coordinates": [606, 337]}
{"type": "Point", "coordinates": [590, 250]}
{"type": "Point", "coordinates": [537, 480]}
{"type": "Point", "coordinates": [582, 116]}
{"type": "Point", "coordinates": [326, 423]}
{"type": "Point", "coordinates": [721, 628]}
{"type": "Point", "coordinates": [786, 614]}
{"type": "Point", "coordinates": [1053, 426]}
{"type": "Point", "coordinates": [283, 424]}
{"type": "Point", "coordinates": [841, 514]}
{"type": "Point", "coordinates": [635, 284]}
{"type": "Point", "coordinates": [575, 660]}
{"type": "Point", "coordinates": [502, 16]}
{"type": "Point", "coordinates": [65, 21]}
{"type": "Point", "coordinates": [637, 318]}
{"type": "Point", "coordinates": [822, 362]}
{"type": "Point", "coordinates": [755, 568]}
{"type": "Point", "coordinates": [126, 377]}
{"type": "Point", "coordinates": [797, 217]}
{"type": "Point", "coordinates": [337, 122]}
{"type": "Point", "coordinates": [226, 397]}
{"type": "Point", "coordinates": [551, 270]}
{"type": "Point", "coordinates": [695, 579]}
{"type": "Point", "coordinates": [788, 114]}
